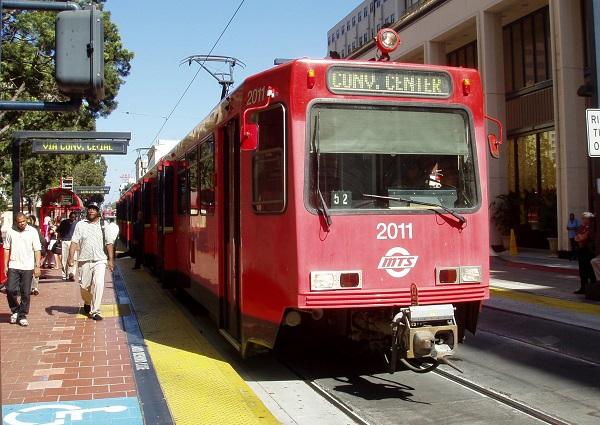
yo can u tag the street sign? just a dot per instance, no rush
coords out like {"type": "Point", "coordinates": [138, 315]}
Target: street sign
{"type": "Point", "coordinates": [593, 132]}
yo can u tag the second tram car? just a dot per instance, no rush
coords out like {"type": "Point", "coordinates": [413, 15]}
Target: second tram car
{"type": "Point", "coordinates": [351, 194]}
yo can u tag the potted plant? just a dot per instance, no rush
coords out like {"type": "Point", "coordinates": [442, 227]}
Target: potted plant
{"type": "Point", "coordinates": [505, 214]}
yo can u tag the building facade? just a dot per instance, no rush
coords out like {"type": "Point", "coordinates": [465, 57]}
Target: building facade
{"type": "Point", "coordinates": [533, 57]}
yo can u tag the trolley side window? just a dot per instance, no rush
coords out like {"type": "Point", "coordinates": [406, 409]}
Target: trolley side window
{"type": "Point", "coordinates": [268, 162]}
{"type": "Point", "coordinates": [181, 187]}
{"type": "Point", "coordinates": [156, 203]}
{"type": "Point", "coordinates": [420, 154]}
{"type": "Point", "coordinates": [135, 204]}
{"type": "Point", "coordinates": [147, 202]}
{"type": "Point", "coordinates": [169, 198]}
{"type": "Point", "coordinates": [192, 172]}
{"type": "Point", "coordinates": [207, 171]}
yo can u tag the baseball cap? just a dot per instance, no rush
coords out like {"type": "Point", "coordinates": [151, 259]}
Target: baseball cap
{"type": "Point", "coordinates": [93, 205]}
{"type": "Point", "coordinates": [587, 215]}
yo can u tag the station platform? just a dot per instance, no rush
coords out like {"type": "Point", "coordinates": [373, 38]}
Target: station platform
{"type": "Point", "coordinates": [146, 363]}
{"type": "Point", "coordinates": [533, 282]}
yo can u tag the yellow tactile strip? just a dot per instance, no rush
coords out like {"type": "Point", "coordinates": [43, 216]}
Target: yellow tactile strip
{"type": "Point", "coordinates": [546, 301]}
{"type": "Point", "coordinates": [109, 310]}
{"type": "Point", "coordinates": [199, 386]}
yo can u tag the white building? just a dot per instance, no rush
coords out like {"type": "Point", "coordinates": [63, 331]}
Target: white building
{"type": "Point", "coordinates": [534, 59]}
{"type": "Point", "coordinates": [158, 150]}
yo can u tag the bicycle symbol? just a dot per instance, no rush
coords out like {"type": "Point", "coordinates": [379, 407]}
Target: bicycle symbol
{"type": "Point", "coordinates": [74, 413]}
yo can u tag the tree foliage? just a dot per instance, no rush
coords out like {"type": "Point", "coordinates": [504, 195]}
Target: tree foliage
{"type": "Point", "coordinates": [28, 41]}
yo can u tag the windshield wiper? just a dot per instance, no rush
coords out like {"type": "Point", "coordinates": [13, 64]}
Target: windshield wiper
{"type": "Point", "coordinates": [324, 210]}
{"type": "Point", "coordinates": [412, 201]}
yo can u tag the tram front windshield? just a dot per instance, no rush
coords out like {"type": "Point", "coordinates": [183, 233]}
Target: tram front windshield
{"type": "Point", "coordinates": [420, 154]}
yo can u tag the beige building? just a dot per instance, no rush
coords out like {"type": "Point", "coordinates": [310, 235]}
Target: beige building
{"type": "Point", "coordinates": [533, 61]}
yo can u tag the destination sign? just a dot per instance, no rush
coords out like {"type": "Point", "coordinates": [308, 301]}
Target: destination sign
{"type": "Point", "coordinates": [389, 82]}
{"type": "Point", "coordinates": [92, 190]}
{"type": "Point", "coordinates": [80, 147]}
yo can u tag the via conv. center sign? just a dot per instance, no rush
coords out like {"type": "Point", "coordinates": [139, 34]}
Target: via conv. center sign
{"type": "Point", "coordinates": [80, 146]}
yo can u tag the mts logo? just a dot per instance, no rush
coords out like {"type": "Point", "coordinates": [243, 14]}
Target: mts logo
{"type": "Point", "coordinates": [397, 262]}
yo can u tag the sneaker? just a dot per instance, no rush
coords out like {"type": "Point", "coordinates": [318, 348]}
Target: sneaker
{"type": "Point", "coordinates": [579, 291]}
{"type": "Point", "coordinates": [87, 308]}
{"type": "Point", "coordinates": [96, 317]}
{"type": "Point", "coordinates": [13, 318]}
{"type": "Point", "coordinates": [23, 322]}
{"type": "Point", "coordinates": [71, 277]}
{"type": "Point", "coordinates": [35, 292]}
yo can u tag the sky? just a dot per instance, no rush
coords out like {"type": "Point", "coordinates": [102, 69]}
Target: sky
{"type": "Point", "coordinates": [162, 99]}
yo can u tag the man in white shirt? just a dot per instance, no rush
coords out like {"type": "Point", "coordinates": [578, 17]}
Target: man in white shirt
{"type": "Point", "coordinates": [89, 239]}
{"type": "Point", "coordinates": [22, 260]}
{"type": "Point", "coordinates": [113, 230]}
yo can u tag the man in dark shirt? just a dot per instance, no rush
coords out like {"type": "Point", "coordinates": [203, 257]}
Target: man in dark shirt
{"type": "Point", "coordinates": [138, 241]}
{"type": "Point", "coordinates": [65, 233]}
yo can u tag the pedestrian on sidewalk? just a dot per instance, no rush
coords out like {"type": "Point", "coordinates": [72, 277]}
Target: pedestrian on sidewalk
{"type": "Point", "coordinates": [572, 226]}
{"type": "Point", "coordinates": [22, 262]}
{"type": "Point", "coordinates": [35, 281]}
{"type": "Point", "coordinates": [113, 229]}
{"type": "Point", "coordinates": [65, 232]}
{"type": "Point", "coordinates": [90, 240]}
{"type": "Point", "coordinates": [584, 255]}
{"type": "Point", "coordinates": [49, 261]}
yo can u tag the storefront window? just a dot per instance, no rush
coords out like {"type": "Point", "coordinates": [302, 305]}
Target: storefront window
{"type": "Point", "coordinates": [532, 162]}
{"type": "Point", "coordinates": [532, 173]}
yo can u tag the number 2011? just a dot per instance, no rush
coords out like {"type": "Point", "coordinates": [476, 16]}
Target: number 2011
{"type": "Point", "coordinates": [256, 95]}
{"type": "Point", "coordinates": [394, 231]}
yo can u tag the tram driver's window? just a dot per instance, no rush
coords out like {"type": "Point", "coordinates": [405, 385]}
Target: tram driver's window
{"type": "Point", "coordinates": [268, 162]}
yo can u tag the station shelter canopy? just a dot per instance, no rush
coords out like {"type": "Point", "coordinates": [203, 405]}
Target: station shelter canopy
{"type": "Point", "coordinates": [59, 202]}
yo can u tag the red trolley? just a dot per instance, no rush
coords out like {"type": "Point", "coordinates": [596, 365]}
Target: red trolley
{"type": "Point", "coordinates": [351, 194]}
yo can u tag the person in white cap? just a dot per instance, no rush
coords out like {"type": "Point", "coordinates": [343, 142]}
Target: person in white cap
{"type": "Point", "coordinates": [584, 238]}
{"type": "Point", "coordinates": [89, 239]}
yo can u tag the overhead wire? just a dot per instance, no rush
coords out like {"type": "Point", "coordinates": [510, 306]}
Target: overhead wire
{"type": "Point", "coordinates": [197, 72]}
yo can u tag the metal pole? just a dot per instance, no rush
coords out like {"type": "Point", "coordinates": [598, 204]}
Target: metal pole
{"type": "Point", "coordinates": [16, 174]}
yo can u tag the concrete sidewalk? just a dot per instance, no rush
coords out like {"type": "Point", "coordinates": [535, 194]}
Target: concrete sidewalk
{"type": "Point", "coordinates": [535, 284]}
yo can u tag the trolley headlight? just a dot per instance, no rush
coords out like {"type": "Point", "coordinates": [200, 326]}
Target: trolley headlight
{"type": "Point", "coordinates": [455, 275]}
{"type": "Point", "coordinates": [470, 274]}
{"type": "Point", "coordinates": [327, 280]}
{"type": "Point", "coordinates": [387, 40]}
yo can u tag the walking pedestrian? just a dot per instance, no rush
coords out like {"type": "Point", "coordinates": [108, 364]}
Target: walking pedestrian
{"type": "Point", "coordinates": [49, 260]}
{"type": "Point", "coordinates": [90, 240]}
{"type": "Point", "coordinates": [585, 255]}
{"type": "Point", "coordinates": [572, 226]}
{"type": "Point", "coordinates": [113, 229]}
{"type": "Point", "coordinates": [35, 281]}
{"type": "Point", "coordinates": [65, 233]}
{"type": "Point", "coordinates": [22, 260]}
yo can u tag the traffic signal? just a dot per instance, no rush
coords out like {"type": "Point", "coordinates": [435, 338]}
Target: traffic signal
{"type": "Point", "coordinates": [80, 53]}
